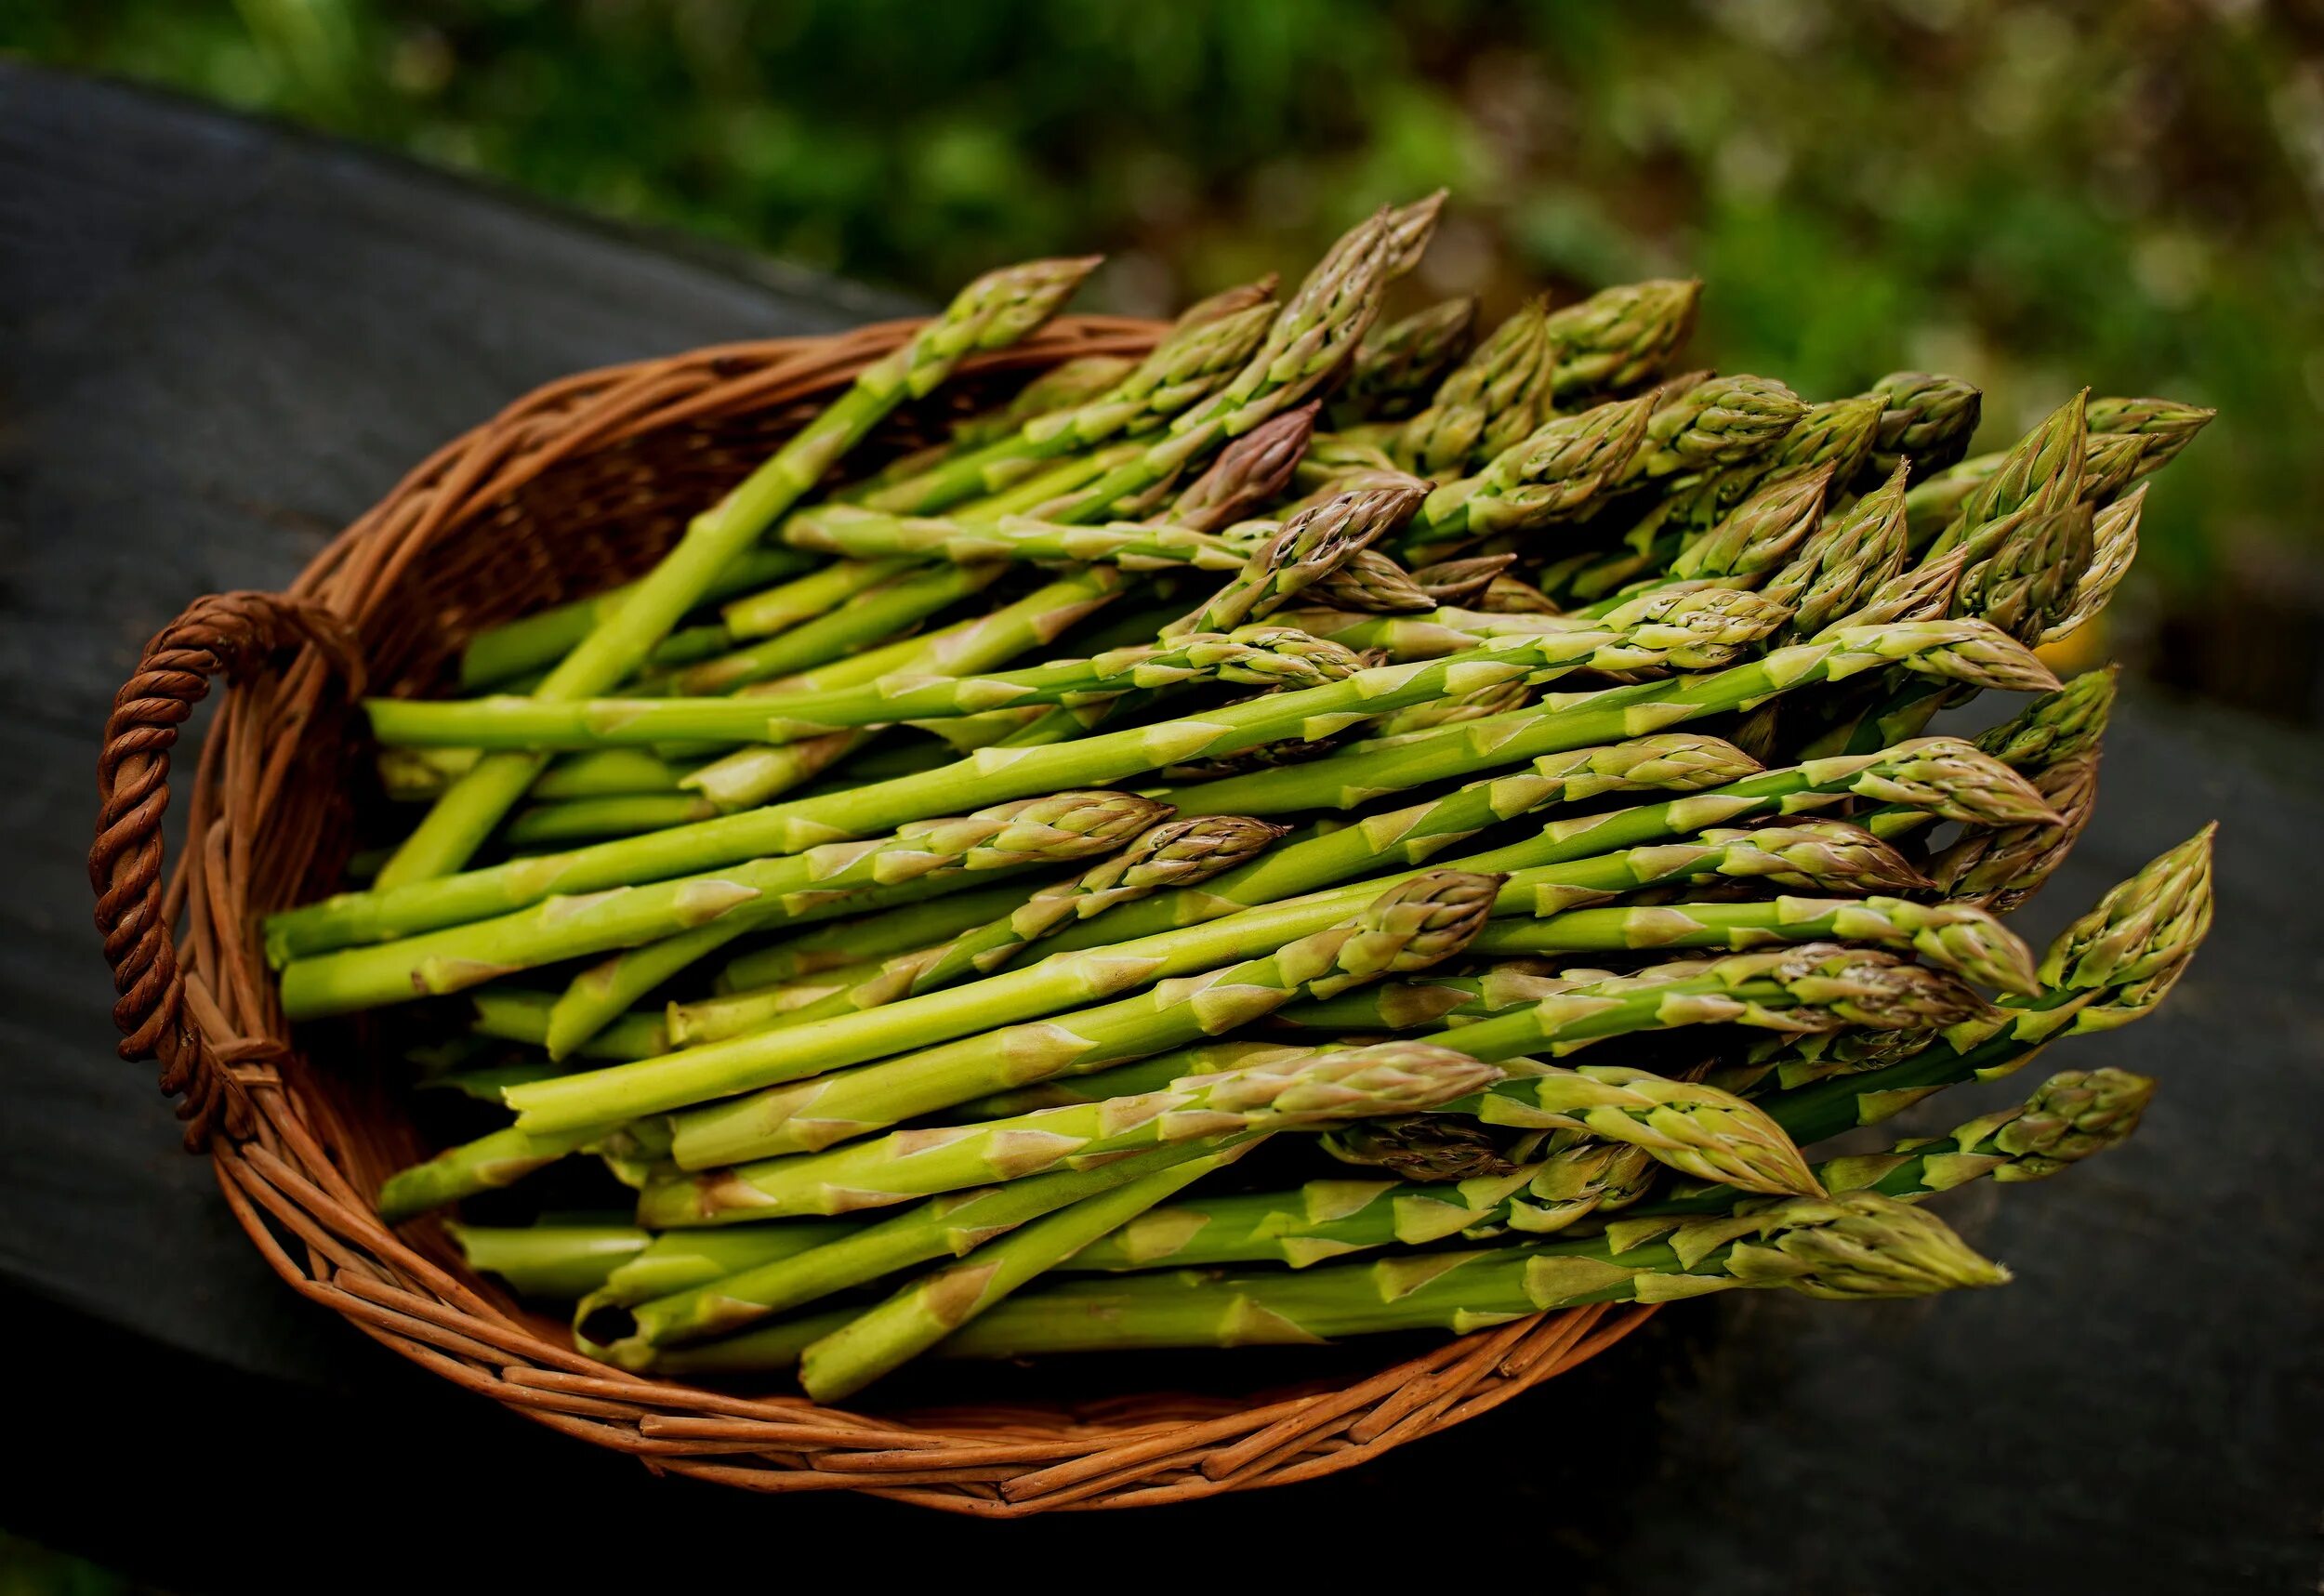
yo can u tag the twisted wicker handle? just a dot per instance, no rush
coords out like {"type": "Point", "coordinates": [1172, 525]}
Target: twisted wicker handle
{"type": "Point", "coordinates": [234, 635]}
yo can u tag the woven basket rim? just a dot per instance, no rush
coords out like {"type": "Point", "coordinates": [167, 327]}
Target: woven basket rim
{"type": "Point", "coordinates": [196, 996]}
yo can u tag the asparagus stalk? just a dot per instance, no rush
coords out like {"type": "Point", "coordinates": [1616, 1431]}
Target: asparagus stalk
{"type": "Point", "coordinates": [2114, 544]}
{"type": "Point", "coordinates": [754, 776]}
{"type": "Point", "coordinates": [1553, 474]}
{"type": "Point", "coordinates": [1172, 855]}
{"type": "Point", "coordinates": [2163, 426]}
{"type": "Point", "coordinates": [1960, 649]}
{"type": "Point", "coordinates": [518, 1016]}
{"type": "Point", "coordinates": [1250, 473]}
{"type": "Point", "coordinates": [1309, 342]}
{"type": "Point", "coordinates": [1362, 773]}
{"type": "Point", "coordinates": [1192, 363]}
{"type": "Point", "coordinates": [1317, 1089]}
{"type": "Point", "coordinates": [1409, 925]}
{"type": "Point", "coordinates": [538, 640]}
{"type": "Point", "coordinates": [868, 939]}
{"type": "Point", "coordinates": [1713, 422]}
{"type": "Point", "coordinates": [1135, 546]}
{"type": "Point", "coordinates": [1401, 365]}
{"type": "Point", "coordinates": [1160, 856]}
{"type": "Point", "coordinates": [1257, 656]}
{"type": "Point", "coordinates": [632, 1330]}
{"type": "Point", "coordinates": [1955, 936]}
{"type": "Point", "coordinates": [994, 311]}
{"type": "Point", "coordinates": [1008, 835]}
{"type": "Point", "coordinates": [676, 1260]}
{"type": "Point", "coordinates": [2110, 968]}
{"type": "Point", "coordinates": [1620, 336]}
{"type": "Point", "coordinates": [2070, 1117]}
{"type": "Point", "coordinates": [1856, 1246]}
{"type": "Point", "coordinates": [1310, 546]}
{"type": "Point", "coordinates": [561, 1260]}
{"type": "Point", "coordinates": [1064, 387]}
{"type": "Point", "coordinates": [1371, 582]}
{"type": "Point", "coordinates": [1925, 425]}
{"type": "Point", "coordinates": [2000, 869]}
{"type": "Point", "coordinates": [1493, 399]}
{"type": "Point", "coordinates": [928, 1310]}
{"type": "Point", "coordinates": [1812, 987]}
{"type": "Point", "coordinates": [1328, 1220]}
{"type": "Point", "coordinates": [1466, 580]}
{"type": "Point", "coordinates": [1845, 562]}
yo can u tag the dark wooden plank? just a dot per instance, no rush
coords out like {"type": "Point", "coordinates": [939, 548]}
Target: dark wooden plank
{"type": "Point", "coordinates": [218, 340]}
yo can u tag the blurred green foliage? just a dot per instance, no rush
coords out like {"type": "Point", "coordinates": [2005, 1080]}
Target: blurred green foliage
{"type": "Point", "coordinates": [2034, 193]}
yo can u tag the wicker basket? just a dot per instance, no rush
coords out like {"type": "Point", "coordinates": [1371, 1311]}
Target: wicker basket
{"type": "Point", "coordinates": [578, 485]}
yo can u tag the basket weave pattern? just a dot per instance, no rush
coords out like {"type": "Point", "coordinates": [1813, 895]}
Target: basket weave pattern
{"type": "Point", "coordinates": [579, 484]}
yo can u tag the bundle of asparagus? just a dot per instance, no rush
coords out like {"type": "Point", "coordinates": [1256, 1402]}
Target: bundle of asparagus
{"type": "Point", "coordinates": [1193, 816]}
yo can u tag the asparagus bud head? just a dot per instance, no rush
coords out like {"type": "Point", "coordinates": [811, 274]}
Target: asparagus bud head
{"type": "Point", "coordinates": [1858, 1244]}
{"type": "Point", "coordinates": [2073, 1114]}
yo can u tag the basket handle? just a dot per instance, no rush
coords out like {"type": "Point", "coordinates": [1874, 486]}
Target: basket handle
{"type": "Point", "coordinates": [233, 635]}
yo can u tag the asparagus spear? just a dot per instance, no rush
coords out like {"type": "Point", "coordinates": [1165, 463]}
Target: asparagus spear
{"type": "Point", "coordinates": [1373, 582]}
{"type": "Point", "coordinates": [1192, 363]}
{"type": "Point", "coordinates": [1552, 474]}
{"type": "Point", "coordinates": [1925, 425]}
{"type": "Point", "coordinates": [2164, 426]}
{"type": "Point", "coordinates": [2000, 869]}
{"type": "Point", "coordinates": [995, 311]}
{"type": "Point", "coordinates": [538, 640]}
{"type": "Point", "coordinates": [1063, 387]}
{"type": "Point", "coordinates": [1136, 545]}
{"type": "Point", "coordinates": [2111, 967]}
{"type": "Point", "coordinates": [1409, 925]}
{"type": "Point", "coordinates": [1713, 422]}
{"type": "Point", "coordinates": [1160, 856]}
{"type": "Point", "coordinates": [1007, 835]}
{"type": "Point", "coordinates": [1172, 855]}
{"type": "Point", "coordinates": [1620, 336]}
{"type": "Point", "coordinates": [1506, 595]}
{"type": "Point", "coordinates": [1963, 650]}
{"type": "Point", "coordinates": [1462, 581]}
{"type": "Point", "coordinates": [1310, 340]}
{"type": "Point", "coordinates": [1858, 1246]}
{"type": "Point", "coordinates": [565, 1260]}
{"type": "Point", "coordinates": [1401, 365]}
{"type": "Point", "coordinates": [868, 938]}
{"type": "Point", "coordinates": [2114, 544]}
{"type": "Point", "coordinates": [1845, 562]}
{"type": "Point", "coordinates": [517, 1016]}
{"type": "Point", "coordinates": [630, 1331]}
{"type": "Point", "coordinates": [1494, 398]}
{"type": "Point", "coordinates": [676, 1260]}
{"type": "Point", "coordinates": [925, 1310]}
{"type": "Point", "coordinates": [2042, 473]}
{"type": "Point", "coordinates": [1761, 531]}
{"type": "Point", "coordinates": [1812, 987]}
{"type": "Point", "coordinates": [1956, 936]}
{"type": "Point", "coordinates": [1250, 473]}
{"type": "Point", "coordinates": [1310, 546]}
{"type": "Point", "coordinates": [1256, 657]}
{"type": "Point", "coordinates": [1316, 1089]}
{"type": "Point", "coordinates": [1361, 773]}
{"type": "Point", "coordinates": [2069, 1116]}
{"type": "Point", "coordinates": [2072, 1115]}
{"type": "Point", "coordinates": [1428, 1146]}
